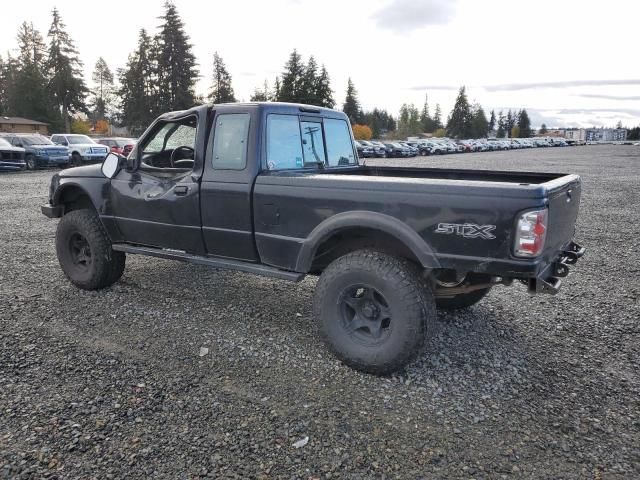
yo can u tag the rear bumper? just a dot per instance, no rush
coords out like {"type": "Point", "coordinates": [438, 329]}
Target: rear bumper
{"type": "Point", "coordinates": [51, 211]}
{"type": "Point", "coordinates": [549, 280]}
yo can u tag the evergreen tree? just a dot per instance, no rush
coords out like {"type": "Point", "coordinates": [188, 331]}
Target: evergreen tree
{"type": "Point", "coordinates": [290, 89]}
{"type": "Point", "coordinates": [479, 123]}
{"type": "Point", "coordinates": [492, 121]}
{"type": "Point", "coordinates": [409, 121]}
{"type": "Point", "coordinates": [277, 87]}
{"type": "Point", "coordinates": [524, 123]}
{"type": "Point", "coordinates": [425, 118]}
{"type": "Point", "coordinates": [176, 71]}
{"type": "Point", "coordinates": [324, 94]}
{"type": "Point", "coordinates": [139, 91]}
{"type": "Point", "coordinates": [379, 121]}
{"type": "Point", "coordinates": [351, 106]}
{"type": "Point", "coordinates": [221, 89]}
{"type": "Point", "coordinates": [308, 83]}
{"type": "Point", "coordinates": [543, 128]}
{"type": "Point", "coordinates": [263, 95]}
{"type": "Point", "coordinates": [502, 132]}
{"type": "Point", "coordinates": [510, 122]}
{"type": "Point", "coordinates": [26, 86]}
{"type": "Point", "coordinates": [437, 118]}
{"type": "Point", "coordinates": [459, 123]}
{"type": "Point", "coordinates": [3, 87]}
{"type": "Point", "coordinates": [102, 94]}
{"type": "Point", "coordinates": [64, 70]}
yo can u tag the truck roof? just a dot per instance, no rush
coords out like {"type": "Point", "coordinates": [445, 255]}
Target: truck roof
{"type": "Point", "coordinates": [269, 107]}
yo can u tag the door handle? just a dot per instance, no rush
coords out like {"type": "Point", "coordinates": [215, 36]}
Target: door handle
{"type": "Point", "coordinates": [181, 190]}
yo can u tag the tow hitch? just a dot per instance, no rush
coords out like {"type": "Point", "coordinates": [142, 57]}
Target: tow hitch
{"type": "Point", "coordinates": [549, 281]}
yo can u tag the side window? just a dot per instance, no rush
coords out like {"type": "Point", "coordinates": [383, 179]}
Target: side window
{"type": "Point", "coordinates": [284, 145]}
{"type": "Point", "coordinates": [338, 139]}
{"type": "Point", "coordinates": [171, 145]}
{"type": "Point", "coordinates": [230, 141]}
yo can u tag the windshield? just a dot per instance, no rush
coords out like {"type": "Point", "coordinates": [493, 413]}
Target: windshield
{"type": "Point", "coordinates": [36, 140]}
{"type": "Point", "coordinates": [4, 143]}
{"type": "Point", "coordinates": [78, 139]}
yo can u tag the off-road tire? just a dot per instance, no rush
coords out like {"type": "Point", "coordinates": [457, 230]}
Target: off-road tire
{"type": "Point", "coordinates": [464, 300]}
{"type": "Point", "coordinates": [408, 297]}
{"type": "Point", "coordinates": [106, 265]}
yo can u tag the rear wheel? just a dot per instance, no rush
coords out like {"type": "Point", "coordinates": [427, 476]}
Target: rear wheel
{"type": "Point", "coordinates": [30, 160]}
{"type": "Point", "coordinates": [374, 311]}
{"type": "Point", "coordinates": [84, 251]}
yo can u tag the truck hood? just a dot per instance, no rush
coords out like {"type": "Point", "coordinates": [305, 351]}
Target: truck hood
{"type": "Point", "coordinates": [94, 171]}
{"type": "Point", "coordinates": [6, 148]}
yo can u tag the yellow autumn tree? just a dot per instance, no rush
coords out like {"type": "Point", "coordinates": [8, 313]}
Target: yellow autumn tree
{"type": "Point", "coordinates": [102, 127]}
{"type": "Point", "coordinates": [361, 132]}
{"type": "Point", "coordinates": [80, 126]}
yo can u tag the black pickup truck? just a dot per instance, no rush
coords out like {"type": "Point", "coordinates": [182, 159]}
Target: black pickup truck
{"type": "Point", "coordinates": [276, 189]}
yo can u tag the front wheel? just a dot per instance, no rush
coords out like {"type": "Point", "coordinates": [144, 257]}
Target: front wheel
{"type": "Point", "coordinates": [84, 251]}
{"type": "Point", "coordinates": [374, 311]}
{"type": "Point", "coordinates": [76, 160]}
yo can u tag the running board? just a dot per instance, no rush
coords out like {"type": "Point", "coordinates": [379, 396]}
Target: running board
{"type": "Point", "coordinates": [224, 263]}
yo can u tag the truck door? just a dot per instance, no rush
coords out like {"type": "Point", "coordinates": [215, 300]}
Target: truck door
{"type": "Point", "coordinates": [231, 165]}
{"type": "Point", "coordinates": [158, 204]}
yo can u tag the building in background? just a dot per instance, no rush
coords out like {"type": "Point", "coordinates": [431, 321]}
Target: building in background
{"type": "Point", "coordinates": [23, 125]}
{"type": "Point", "coordinates": [596, 134]}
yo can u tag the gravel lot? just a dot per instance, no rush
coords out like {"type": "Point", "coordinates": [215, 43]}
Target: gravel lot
{"type": "Point", "coordinates": [112, 384]}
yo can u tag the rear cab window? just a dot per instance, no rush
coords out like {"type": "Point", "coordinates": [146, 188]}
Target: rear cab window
{"type": "Point", "coordinates": [296, 143]}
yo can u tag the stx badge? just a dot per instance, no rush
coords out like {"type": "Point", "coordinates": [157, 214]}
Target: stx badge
{"type": "Point", "coordinates": [467, 230]}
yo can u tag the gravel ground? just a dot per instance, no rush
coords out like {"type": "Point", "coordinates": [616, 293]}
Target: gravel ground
{"type": "Point", "coordinates": [117, 384]}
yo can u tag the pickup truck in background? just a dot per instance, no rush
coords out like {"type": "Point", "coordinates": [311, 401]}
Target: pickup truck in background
{"type": "Point", "coordinates": [276, 189]}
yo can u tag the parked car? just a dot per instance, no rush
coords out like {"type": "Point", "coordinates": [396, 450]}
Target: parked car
{"type": "Point", "coordinates": [118, 144]}
{"type": "Point", "coordinates": [11, 158]}
{"type": "Point", "coordinates": [413, 151]}
{"type": "Point", "coordinates": [82, 149]}
{"type": "Point", "coordinates": [378, 150]}
{"type": "Point", "coordinates": [39, 151]}
{"type": "Point", "coordinates": [388, 152]}
{"type": "Point", "coordinates": [364, 151]}
{"type": "Point", "coordinates": [388, 243]}
{"type": "Point", "coordinates": [396, 150]}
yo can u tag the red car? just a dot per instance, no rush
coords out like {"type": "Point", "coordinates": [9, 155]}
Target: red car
{"type": "Point", "coordinates": [122, 146]}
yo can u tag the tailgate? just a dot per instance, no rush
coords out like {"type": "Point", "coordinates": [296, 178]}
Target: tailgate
{"type": "Point", "coordinates": [564, 203]}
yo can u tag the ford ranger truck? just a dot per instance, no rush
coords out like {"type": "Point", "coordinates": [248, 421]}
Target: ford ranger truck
{"type": "Point", "coordinates": [276, 189]}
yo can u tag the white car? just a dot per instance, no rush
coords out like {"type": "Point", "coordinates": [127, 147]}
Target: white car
{"type": "Point", "coordinates": [82, 149]}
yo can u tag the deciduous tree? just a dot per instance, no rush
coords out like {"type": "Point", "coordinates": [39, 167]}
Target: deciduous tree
{"type": "Point", "coordinates": [362, 132]}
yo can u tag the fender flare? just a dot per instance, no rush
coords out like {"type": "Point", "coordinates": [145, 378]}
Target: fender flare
{"type": "Point", "coordinates": [365, 219]}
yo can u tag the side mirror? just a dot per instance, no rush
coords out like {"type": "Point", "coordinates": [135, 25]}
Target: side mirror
{"type": "Point", "coordinates": [111, 165]}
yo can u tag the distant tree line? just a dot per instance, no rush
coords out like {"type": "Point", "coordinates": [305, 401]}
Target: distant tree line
{"type": "Point", "coordinates": [44, 82]}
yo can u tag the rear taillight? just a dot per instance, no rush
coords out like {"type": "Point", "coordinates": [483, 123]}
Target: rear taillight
{"type": "Point", "coordinates": [531, 232]}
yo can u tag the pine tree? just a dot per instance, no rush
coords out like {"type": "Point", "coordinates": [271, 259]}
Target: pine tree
{"type": "Point", "coordinates": [324, 94]}
{"type": "Point", "coordinates": [261, 95]}
{"type": "Point", "coordinates": [502, 132]}
{"type": "Point", "coordinates": [459, 123]}
{"type": "Point", "coordinates": [290, 89]}
{"type": "Point", "coordinates": [543, 128]}
{"type": "Point", "coordinates": [351, 106]}
{"type": "Point", "coordinates": [3, 87]}
{"type": "Point", "coordinates": [425, 117]}
{"type": "Point", "coordinates": [277, 87]}
{"type": "Point", "coordinates": [524, 123]}
{"type": "Point", "coordinates": [492, 121]}
{"type": "Point", "coordinates": [139, 90]}
{"type": "Point", "coordinates": [176, 64]}
{"type": "Point", "coordinates": [221, 89]}
{"type": "Point", "coordinates": [437, 118]}
{"type": "Point", "coordinates": [308, 93]}
{"type": "Point", "coordinates": [102, 93]}
{"type": "Point", "coordinates": [64, 70]}
{"type": "Point", "coordinates": [510, 122]}
{"type": "Point", "coordinates": [26, 85]}
{"type": "Point", "coordinates": [479, 123]}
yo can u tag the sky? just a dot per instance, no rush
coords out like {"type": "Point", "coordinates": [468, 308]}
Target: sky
{"type": "Point", "coordinates": [571, 63]}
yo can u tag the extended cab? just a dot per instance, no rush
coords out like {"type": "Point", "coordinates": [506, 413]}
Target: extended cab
{"type": "Point", "coordinates": [276, 189]}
